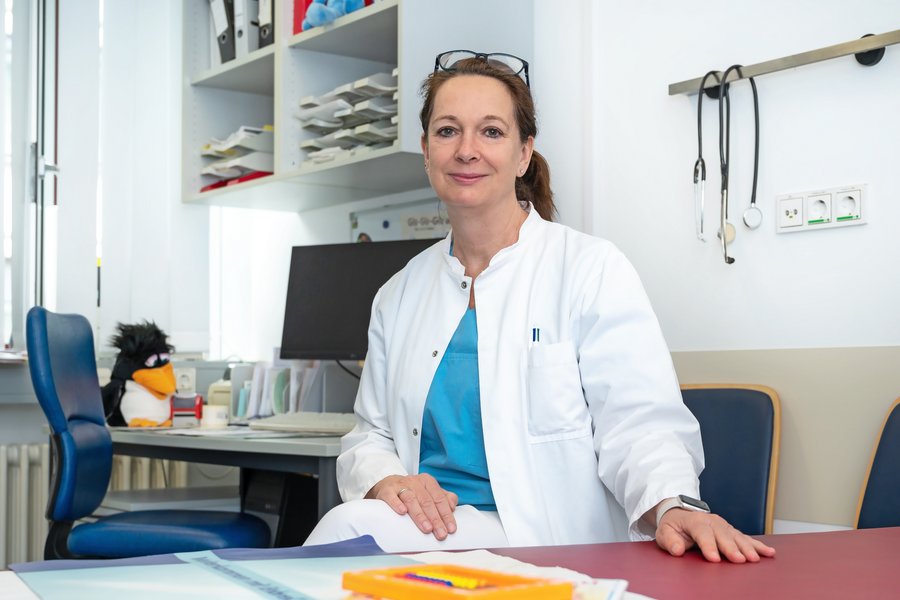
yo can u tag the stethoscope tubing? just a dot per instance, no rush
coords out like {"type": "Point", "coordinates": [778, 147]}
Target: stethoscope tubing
{"type": "Point", "coordinates": [700, 164]}
{"type": "Point", "coordinates": [754, 221]}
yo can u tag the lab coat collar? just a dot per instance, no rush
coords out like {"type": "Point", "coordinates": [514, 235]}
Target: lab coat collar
{"type": "Point", "coordinates": [526, 230]}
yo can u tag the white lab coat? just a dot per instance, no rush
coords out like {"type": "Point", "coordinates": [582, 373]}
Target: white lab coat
{"type": "Point", "coordinates": [584, 431]}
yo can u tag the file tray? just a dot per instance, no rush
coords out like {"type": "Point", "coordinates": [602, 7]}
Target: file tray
{"type": "Point", "coordinates": [382, 131]}
{"type": "Point", "coordinates": [322, 111]}
{"type": "Point", "coordinates": [241, 165]}
{"type": "Point", "coordinates": [379, 84]}
{"type": "Point", "coordinates": [327, 154]}
{"type": "Point", "coordinates": [376, 108]}
{"type": "Point", "coordinates": [343, 92]}
{"type": "Point", "coordinates": [350, 118]}
{"type": "Point", "coordinates": [320, 126]}
{"type": "Point", "coordinates": [244, 140]}
{"type": "Point", "coordinates": [413, 582]}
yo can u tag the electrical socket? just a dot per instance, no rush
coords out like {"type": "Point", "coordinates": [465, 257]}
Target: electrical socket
{"type": "Point", "coordinates": [821, 209]}
{"type": "Point", "coordinates": [818, 209]}
{"type": "Point", "coordinates": [185, 380]}
{"type": "Point", "coordinates": [790, 212]}
{"type": "Point", "coordinates": [848, 206]}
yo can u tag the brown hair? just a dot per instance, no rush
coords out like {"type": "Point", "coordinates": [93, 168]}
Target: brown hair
{"type": "Point", "coordinates": [534, 185]}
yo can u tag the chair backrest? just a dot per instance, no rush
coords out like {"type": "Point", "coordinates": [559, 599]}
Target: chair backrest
{"type": "Point", "coordinates": [64, 376]}
{"type": "Point", "coordinates": [741, 430]}
{"type": "Point", "coordinates": [879, 500]}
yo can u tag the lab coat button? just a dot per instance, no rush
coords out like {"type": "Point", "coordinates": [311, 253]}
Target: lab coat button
{"type": "Point", "coordinates": [415, 432]}
{"type": "Point", "coordinates": [464, 284]}
{"type": "Point", "coordinates": [433, 354]}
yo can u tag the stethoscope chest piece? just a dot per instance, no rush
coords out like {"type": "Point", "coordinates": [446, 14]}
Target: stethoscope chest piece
{"type": "Point", "coordinates": [730, 233]}
{"type": "Point", "coordinates": [753, 217]}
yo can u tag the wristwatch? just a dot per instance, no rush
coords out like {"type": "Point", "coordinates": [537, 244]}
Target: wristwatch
{"type": "Point", "coordinates": [681, 501]}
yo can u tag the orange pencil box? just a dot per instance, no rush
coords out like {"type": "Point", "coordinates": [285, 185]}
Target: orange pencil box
{"type": "Point", "coordinates": [413, 582]}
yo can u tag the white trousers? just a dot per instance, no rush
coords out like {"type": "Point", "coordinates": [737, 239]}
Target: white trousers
{"type": "Point", "coordinates": [398, 533]}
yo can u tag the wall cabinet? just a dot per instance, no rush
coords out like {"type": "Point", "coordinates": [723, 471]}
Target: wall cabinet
{"type": "Point", "coordinates": [266, 86]}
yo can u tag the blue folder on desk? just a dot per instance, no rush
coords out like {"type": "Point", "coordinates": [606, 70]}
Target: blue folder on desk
{"type": "Point", "coordinates": [295, 573]}
{"type": "Point", "coordinates": [361, 546]}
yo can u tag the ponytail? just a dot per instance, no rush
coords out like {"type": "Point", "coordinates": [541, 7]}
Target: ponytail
{"type": "Point", "coordinates": [534, 187]}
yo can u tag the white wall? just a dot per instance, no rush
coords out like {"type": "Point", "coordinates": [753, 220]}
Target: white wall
{"type": "Point", "coordinates": [822, 125]}
{"type": "Point", "coordinates": [622, 152]}
{"type": "Point", "coordinates": [561, 84]}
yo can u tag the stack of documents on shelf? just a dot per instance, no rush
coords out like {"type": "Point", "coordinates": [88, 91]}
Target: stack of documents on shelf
{"type": "Point", "coordinates": [241, 165]}
{"type": "Point", "coordinates": [245, 139]}
{"type": "Point", "coordinates": [355, 117]}
{"type": "Point", "coordinates": [245, 154]}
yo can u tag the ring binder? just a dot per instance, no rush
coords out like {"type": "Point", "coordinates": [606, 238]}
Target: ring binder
{"type": "Point", "coordinates": [222, 13]}
{"type": "Point", "coordinates": [266, 23]}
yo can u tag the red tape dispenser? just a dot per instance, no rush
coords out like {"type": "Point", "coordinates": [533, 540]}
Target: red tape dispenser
{"type": "Point", "coordinates": [413, 582]}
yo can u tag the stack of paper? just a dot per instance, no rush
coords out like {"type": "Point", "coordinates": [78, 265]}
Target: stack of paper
{"type": "Point", "coordinates": [355, 117]}
{"type": "Point", "coordinates": [245, 139]}
{"type": "Point", "coordinates": [241, 165]}
{"type": "Point", "coordinates": [246, 153]}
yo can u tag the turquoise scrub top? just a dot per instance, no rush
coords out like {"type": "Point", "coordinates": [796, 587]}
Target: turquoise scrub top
{"type": "Point", "coordinates": [452, 443]}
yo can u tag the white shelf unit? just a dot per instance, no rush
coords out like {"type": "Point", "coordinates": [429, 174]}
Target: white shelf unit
{"type": "Point", "coordinates": [265, 87]}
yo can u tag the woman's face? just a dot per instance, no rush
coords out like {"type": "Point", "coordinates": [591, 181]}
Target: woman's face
{"type": "Point", "coordinates": [472, 146]}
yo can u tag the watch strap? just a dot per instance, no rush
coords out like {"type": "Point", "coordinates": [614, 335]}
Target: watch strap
{"type": "Point", "coordinates": [677, 502]}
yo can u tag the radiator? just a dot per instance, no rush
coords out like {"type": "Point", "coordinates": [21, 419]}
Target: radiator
{"type": "Point", "coordinates": [24, 485]}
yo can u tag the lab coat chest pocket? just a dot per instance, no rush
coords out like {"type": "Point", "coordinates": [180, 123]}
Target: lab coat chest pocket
{"type": "Point", "coordinates": [556, 406]}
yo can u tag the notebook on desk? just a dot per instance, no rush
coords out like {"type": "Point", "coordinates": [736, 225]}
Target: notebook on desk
{"type": "Point", "coordinates": [308, 422]}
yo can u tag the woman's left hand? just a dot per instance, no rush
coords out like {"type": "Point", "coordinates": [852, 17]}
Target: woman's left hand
{"type": "Point", "coordinates": [678, 530]}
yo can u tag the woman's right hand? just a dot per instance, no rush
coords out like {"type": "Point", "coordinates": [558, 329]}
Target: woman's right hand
{"type": "Point", "coordinates": [428, 505]}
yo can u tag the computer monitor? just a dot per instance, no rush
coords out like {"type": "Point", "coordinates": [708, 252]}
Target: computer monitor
{"type": "Point", "coordinates": [330, 293]}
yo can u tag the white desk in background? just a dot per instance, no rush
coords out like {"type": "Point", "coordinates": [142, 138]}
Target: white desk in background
{"type": "Point", "coordinates": [302, 455]}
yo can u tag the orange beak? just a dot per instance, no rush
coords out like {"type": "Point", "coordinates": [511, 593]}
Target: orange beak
{"type": "Point", "coordinates": [159, 381]}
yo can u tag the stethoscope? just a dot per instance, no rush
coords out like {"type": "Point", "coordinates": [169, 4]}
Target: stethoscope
{"type": "Point", "coordinates": [752, 216]}
{"type": "Point", "coordinates": [700, 164]}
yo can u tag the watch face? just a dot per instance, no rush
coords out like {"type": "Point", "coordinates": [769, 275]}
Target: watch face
{"type": "Point", "coordinates": [694, 503]}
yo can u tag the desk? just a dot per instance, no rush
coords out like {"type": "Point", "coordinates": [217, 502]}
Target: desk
{"type": "Point", "coordinates": [314, 455]}
{"type": "Point", "coordinates": [839, 564]}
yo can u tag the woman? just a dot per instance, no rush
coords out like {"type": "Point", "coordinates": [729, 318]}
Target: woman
{"type": "Point", "coordinates": [517, 388]}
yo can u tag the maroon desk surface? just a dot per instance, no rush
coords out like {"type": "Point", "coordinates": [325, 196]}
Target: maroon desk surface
{"type": "Point", "coordinates": [840, 564]}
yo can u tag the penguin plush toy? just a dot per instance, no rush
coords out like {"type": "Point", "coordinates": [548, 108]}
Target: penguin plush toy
{"type": "Point", "coordinates": [142, 383]}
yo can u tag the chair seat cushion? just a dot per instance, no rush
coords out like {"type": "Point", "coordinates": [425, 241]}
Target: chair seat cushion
{"type": "Point", "coordinates": [141, 533]}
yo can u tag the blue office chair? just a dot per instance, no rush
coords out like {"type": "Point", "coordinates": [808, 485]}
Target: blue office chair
{"type": "Point", "coordinates": [741, 430]}
{"type": "Point", "coordinates": [64, 375]}
{"type": "Point", "coordinates": [879, 500]}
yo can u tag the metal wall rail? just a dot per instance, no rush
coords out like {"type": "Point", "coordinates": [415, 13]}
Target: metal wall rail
{"type": "Point", "coordinates": [871, 43]}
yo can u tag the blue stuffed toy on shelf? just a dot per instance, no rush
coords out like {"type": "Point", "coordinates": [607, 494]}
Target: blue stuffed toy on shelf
{"type": "Point", "coordinates": [323, 12]}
